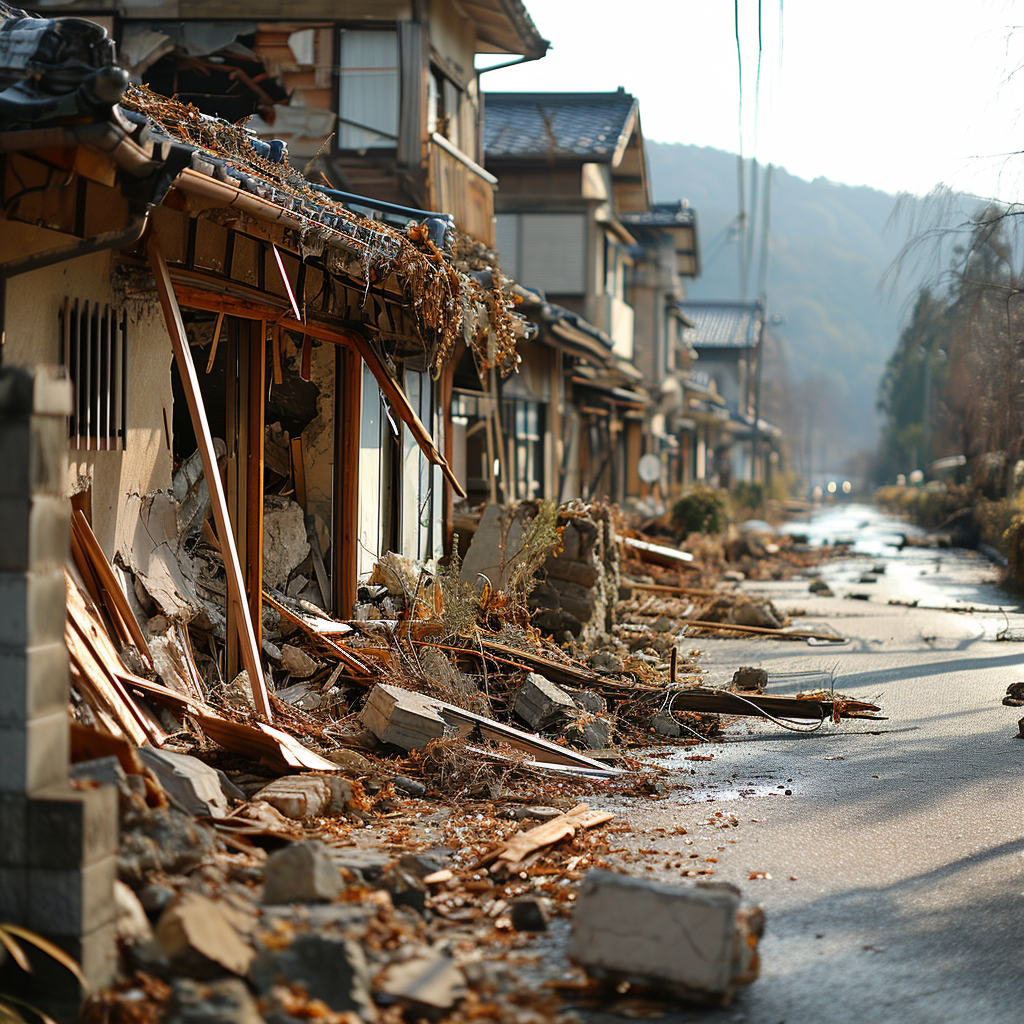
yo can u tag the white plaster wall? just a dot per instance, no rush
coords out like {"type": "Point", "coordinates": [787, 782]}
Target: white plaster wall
{"type": "Point", "coordinates": [34, 301]}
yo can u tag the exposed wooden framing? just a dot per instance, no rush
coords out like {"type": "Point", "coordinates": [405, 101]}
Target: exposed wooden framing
{"type": "Point", "coordinates": [348, 396]}
{"type": "Point", "coordinates": [276, 355]}
{"type": "Point", "coordinates": [255, 405]}
{"type": "Point", "coordinates": [298, 471]}
{"type": "Point", "coordinates": [197, 297]}
{"type": "Point", "coordinates": [190, 382]}
{"type": "Point", "coordinates": [448, 512]}
{"type": "Point", "coordinates": [235, 426]}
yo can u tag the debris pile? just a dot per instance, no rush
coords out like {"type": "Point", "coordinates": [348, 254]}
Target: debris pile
{"type": "Point", "coordinates": [422, 800]}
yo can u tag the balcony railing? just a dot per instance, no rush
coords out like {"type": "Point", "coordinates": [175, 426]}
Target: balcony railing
{"type": "Point", "coordinates": [461, 187]}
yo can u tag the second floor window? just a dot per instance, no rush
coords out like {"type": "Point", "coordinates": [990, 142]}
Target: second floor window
{"type": "Point", "coordinates": [368, 88]}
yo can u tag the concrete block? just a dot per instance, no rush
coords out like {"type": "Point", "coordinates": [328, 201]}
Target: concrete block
{"type": "Point", "coordinates": [190, 783]}
{"type": "Point", "coordinates": [331, 968]}
{"type": "Point", "coordinates": [54, 989]}
{"type": "Point", "coordinates": [13, 830]}
{"type": "Point", "coordinates": [301, 873]}
{"type": "Point", "coordinates": [13, 892]}
{"type": "Point", "coordinates": [70, 828]}
{"type": "Point", "coordinates": [39, 389]}
{"type": "Point", "coordinates": [691, 940]}
{"type": "Point", "coordinates": [32, 608]}
{"type": "Point", "coordinates": [34, 756]}
{"type": "Point", "coordinates": [36, 533]}
{"type": "Point", "coordinates": [35, 683]}
{"type": "Point", "coordinates": [299, 796]}
{"type": "Point", "coordinates": [428, 984]}
{"type": "Point", "coordinates": [401, 717]}
{"type": "Point", "coordinates": [541, 703]}
{"type": "Point", "coordinates": [224, 1001]}
{"type": "Point", "coordinates": [204, 938]}
{"type": "Point", "coordinates": [72, 901]}
{"type": "Point", "coordinates": [34, 454]}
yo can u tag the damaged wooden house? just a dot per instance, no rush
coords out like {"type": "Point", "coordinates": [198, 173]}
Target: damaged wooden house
{"type": "Point", "coordinates": [261, 370]}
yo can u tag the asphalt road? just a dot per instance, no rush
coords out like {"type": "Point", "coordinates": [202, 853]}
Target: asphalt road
{"type": "Point", "coordinates": [897, 861]}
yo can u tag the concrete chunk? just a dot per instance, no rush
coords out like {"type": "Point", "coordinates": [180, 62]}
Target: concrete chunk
{"type": "Point", "coordinates": [401, 717]}
{"type": "Point", "coordinates": [190, 783]}
{"type": "Point", "coordinates": [301, 873]}
{"type": "Point", "coordinates": [541, 703]}
{"type": "Point", "coordinates": [329, 967]}
{"type": "Point", "coordinates": [299, 796]}
{"type": "Point", "coordinates": [203, 938]}
{"type": "Point", "coordinates": [693, 941]}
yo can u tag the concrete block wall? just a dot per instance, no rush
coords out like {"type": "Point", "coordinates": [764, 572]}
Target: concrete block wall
{"type": "Point", "coordinates": [57, 845]}
{"type": "Point", "coordinates": [582, 581]}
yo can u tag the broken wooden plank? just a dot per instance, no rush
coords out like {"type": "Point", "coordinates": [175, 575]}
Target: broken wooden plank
{"type": "Point", "coordinates": [522, 845]}
{"type": "Point", "coordinates": [216, 341]}
{"type": "Point", "coordinates": [780, 634]}
{"type": "Point", "coordinates": [661, 588]}
{"type": "Point", "coordinates": [658, 554]}
{"type": "Point", "coordinates": [110, 594]}
{"type": "Point", "coordinates": [321, 635]}
{"type": "Point", "coordinates": [190, 382]}
{"type": "Point", "coordinates": [723, 702]}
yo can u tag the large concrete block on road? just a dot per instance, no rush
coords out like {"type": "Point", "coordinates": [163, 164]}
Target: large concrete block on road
{"type": "Point", "coordinates": [694, 941]}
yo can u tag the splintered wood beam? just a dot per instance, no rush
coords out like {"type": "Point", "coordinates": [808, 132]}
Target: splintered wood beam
{"type": "Point", "coordinates": [200, 424]}
{"type": "Point", "coordinates": [400, 403]}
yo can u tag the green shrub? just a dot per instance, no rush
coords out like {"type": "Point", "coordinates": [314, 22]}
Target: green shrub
{"type": "Point", "coordinates": [700, 510]}
{"type": "Point", "coordinates": [748, 496]}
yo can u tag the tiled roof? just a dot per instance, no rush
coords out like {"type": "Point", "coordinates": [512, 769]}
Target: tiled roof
{"type": "Point", "coordinates": [567, 124]}
{"type": "Point", "coordinates": [723, 324]}
{"type": "Point", "coordinates": [662, 215]}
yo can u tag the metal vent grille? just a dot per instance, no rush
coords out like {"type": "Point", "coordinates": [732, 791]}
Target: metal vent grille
{"type": "Point", "coordinates": [94, 352]}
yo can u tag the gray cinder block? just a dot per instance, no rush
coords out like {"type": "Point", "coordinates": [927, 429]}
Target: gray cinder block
{"type": "Point", "coordinates": [692, 940]}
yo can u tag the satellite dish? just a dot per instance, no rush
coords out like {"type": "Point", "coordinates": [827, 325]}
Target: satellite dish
{"type": "Point", "coordinates": [649, 468]}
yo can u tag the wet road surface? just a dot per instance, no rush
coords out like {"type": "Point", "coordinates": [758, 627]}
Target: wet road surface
{"type": "Point", "coordinates": [897, 859]}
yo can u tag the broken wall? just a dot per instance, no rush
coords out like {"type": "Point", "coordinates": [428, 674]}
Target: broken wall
{"type": "Point", "coordinates": [33, 338]}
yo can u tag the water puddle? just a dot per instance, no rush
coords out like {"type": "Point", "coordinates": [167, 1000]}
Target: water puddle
{"type": "Point", "coordinates": [707, 796]}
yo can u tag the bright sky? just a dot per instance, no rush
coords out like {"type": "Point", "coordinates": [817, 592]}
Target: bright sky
{"type": "Point", "coordinates": [897, 94]}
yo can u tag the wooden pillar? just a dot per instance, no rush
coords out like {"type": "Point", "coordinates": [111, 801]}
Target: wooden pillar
{"type": "Point", "coordinates": [348, 393]}
{"type": "Point", "coordinates": [448, 509]}
{"type": "Point", "coordinates": [256, 365]}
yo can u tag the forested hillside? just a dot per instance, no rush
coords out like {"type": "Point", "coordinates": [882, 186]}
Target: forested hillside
{"type": "Point", "coordinates": [831, 245]}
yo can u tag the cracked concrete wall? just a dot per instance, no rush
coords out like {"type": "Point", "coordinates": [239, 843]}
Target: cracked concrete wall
{"type": "Point", "coordinates": [34, 301]}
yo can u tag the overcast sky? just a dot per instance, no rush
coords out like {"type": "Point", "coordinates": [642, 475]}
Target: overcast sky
{"type": "Point", "coordinates": [897, 94]}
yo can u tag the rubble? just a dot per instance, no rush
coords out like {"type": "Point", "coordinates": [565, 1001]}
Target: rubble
{"type": "Point", "coordinates": [301, 873]}
{"type": "Point", "coordinates": [413, 705]}
{"type": "Point", "coordinates": [541, 703]}
{"type": "Point", "coordinates": [692, 941]}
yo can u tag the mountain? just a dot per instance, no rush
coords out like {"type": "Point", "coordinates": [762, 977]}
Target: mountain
{"type": "Point", "coordinates": [830, 248]}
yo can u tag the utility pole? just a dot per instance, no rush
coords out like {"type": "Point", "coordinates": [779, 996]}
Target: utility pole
{"type": "Point", "coordinates": [755, 440]}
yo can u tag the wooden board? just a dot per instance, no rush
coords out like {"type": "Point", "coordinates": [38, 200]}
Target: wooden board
{"type": "Point", "coordinates": [110, 593]}
{"type": "Point", "coordinates": [190, 383]}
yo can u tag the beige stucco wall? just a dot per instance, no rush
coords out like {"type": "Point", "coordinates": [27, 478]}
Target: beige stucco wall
{"type": "Point", "coordinates": [34, 301]}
